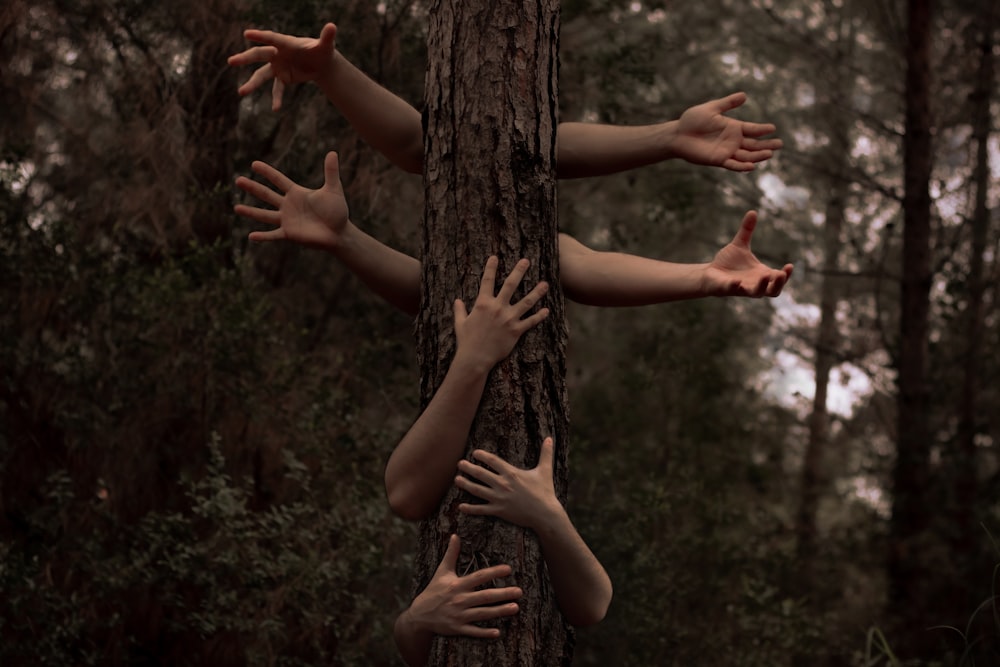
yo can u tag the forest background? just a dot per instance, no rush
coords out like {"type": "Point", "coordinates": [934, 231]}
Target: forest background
{"type": "Point", "coordinates": [193, 429]}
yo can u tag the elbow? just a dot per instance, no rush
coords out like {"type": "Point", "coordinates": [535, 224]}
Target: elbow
{"type": "Point", "coordinates": [593, 612]}
{"type": "Point", "coordinates": [403, 502]}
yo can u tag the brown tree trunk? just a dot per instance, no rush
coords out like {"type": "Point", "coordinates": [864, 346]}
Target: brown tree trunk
{"type": "Point", "coordinates": [490, 189]}
{"type": "Point", "coordinates": [814, 475]}
{"type": "Point", "coordinates": [907, 569]}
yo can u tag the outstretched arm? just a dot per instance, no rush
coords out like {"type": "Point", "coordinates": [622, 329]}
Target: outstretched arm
{"type": "Point", "coordinates": [320, 219]}
{"type": "Point", "coordinates": [702, 135]}
{"type": "Point", "coordinates": [421, 467]}
{"type": "Point", "coordinates": [385, 121]}
{"type": "Point", "coordinates": [527, 498]}
{"type": "Point", "coordinates": [613, 279]}
{"type": "Point", "coordinates": [451, 605]}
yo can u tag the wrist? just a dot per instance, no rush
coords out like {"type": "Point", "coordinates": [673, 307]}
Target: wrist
{"type": "Point", "coordinates": [470, 364]}
{"type": "Point", "coordinates": [666, 139]}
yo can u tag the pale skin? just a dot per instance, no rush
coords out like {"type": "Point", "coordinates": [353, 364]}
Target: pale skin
{"type": "Point", "coordinates": [421, 467]}
{"type": "Point", "coordinates": [702, 135]}
{"type": "Point", "coordinates": [527, 498]}
{"type": "Point", "coordinates": [321, 219]}
{"type": "Point", "coordinates": [451, 605]}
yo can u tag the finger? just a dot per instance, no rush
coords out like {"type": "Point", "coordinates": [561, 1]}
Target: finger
{"type": "Point", "coordinates": [546, 455]}
{"type": "Point", "coordinates": [513, 280]}
{"type": "Point", "coordinates": [531, 298]}
{"type": "Point", "coordinates": [270, 235]}
{"type": "Point", "coordinates": [478, 614]}
{"type": "Point", "coordinates": [460, 312]}
{"type": "Point", "coordinates": [752, 156]}
{"type": "Point", "coordinates": [529, 322]}
{"type": "Point", "coordinates": [760, 288]}
{"type": "Point", "coordinates": [486, 575]}
{"type": "Point", "coordinates": [776, 284]}
{"type": "Point", "coordinates": [278, 179]}
{"type": "Point", "coordinates": [492, 460]}
{"type": "Point", "coordinates": [277, 92]}
{"type": "Point", "coordinates": [478, 632]}
{"type": "Point", "coordinates": [255, 54]}
{"type": "Point", "coordinates": [328, 35]}
{"type": "Point", "coordinates": [736, 165]}
{"type": "Point", "coordinates": [750, 143]}
{"type": "Point", "coordinates": [265, 215]}
{"type": "Point", "coordinates": [488, 282]}
{"type": "Point", "coordinates": [260, 76]}
{"type": "Point", "coordinates": [729, 102]}
{"type": "Point", "coordinates": [269, 37]}
{"type": "Point", "coordinates": [759, 130]}
{"type": "Point", "coordinates": [477, 472]}
{"type": "Point", "coordinates": [787, 268]}
{"type": "Point", "coordinates": [749, 223]}
{"type": "Point", "coordinates": [260, 191]}
{"type": "Point", "coordinates": [450, 559]}
{"type": "Point", "coordinates": [331, 171]}
{"type": "Point", "coordinates": [481, 491]}
{"type": "Point", "coordinates": [480, 509]}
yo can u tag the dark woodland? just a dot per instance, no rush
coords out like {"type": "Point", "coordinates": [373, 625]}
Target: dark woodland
{"type": "Point", "coordinates": [194, 427]}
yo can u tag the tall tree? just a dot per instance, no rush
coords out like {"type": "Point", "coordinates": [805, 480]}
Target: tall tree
{"type": "Point", "coordinates": [490, 189]}
{"type": "Point", "coordinates": [911, 475]}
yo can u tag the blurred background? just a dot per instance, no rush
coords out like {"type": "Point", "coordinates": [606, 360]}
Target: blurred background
{"type": "Point", "coordinates": [193, 429]}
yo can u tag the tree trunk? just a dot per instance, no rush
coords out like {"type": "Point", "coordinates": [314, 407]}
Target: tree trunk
{"type": "Point", "coordinates": [963, 458]}
{"type": "Point", "coordinates": [489, 179]}
{"type": "Point", "coordinates": [911, 473]}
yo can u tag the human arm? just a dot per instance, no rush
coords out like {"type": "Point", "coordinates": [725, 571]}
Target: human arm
{"type": "Point", "coordinates": [614, 279]}
{"type": "Point", "coordinates": [452, 605]}
{"type": "Point", "coordinates": [384, 120]}
{"type": "Point", "coordinates": [321, 219]}
{"type": "Point", "coordinates": [527, 498]}
{"type": "Point", "coordinates": [702, 135]}
{"type": "Point", "coordinates": [420, 468]}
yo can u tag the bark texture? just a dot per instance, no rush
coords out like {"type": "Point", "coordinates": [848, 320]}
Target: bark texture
{"type": "Point", "coordinates": [911, 475]}
{"type": "Point", "coordinates": [490, 189]}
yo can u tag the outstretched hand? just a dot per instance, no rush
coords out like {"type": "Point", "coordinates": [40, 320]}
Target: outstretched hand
{"type": "Point", "coordinates": [736, 271]}
{"type": "Point", "coordinates": [488, 333]}
{"type": "Point", "coordinates": [706, 136]}
{"type": "Point", "coordinates": [288, 60]}
{"type": "Point", "coordinates": [452, 604]}
{"type": "Point", "coordinates": [522, 497]}
{"type": "Point", "coordinates": [314, 218]}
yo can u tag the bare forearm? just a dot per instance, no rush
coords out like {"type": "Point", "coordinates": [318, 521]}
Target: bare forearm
{"type": "Point", "coordinates": [589, 149]}
{"type": "Point", "coordinates": [583, 588]}
{"type": "Point", "coordinates": [422, 466]}
{"type": "Point", "coordinates": [612, 279]}
{"type": "Point", "coordinates": [385, 121]}
{"type": "Point", "coordinates": [391, 274]}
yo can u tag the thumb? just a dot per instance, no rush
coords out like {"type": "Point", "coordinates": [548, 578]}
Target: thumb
{"type": "Point", "coordinates": [331, 171]}
{"type": "Point", "coordinates": [328, 35]}
{"type": "Point", "coordinates": [730, 102]}
{"type": "Point", "coordinates": [547, 453]}
{"type": "Point", "coordinates": [460, 312]}
{"type": "Point", "coordinates": [742, 237]}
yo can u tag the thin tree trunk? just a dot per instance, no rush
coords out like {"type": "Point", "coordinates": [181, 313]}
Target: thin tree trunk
{"type": "Point", "coordinates": [965, 483]}
{"type": "Point", "coordinates": [911, 475]}
{"type": "Point", "coordinates": [490, 189]}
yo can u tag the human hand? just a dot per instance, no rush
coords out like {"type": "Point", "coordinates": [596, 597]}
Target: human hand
{"type": "Point", "coordinates": [525, 498]}
{"type": "Point", "coordinates": [735, 271]}
{"type": "Point", "coordinates": [488, 333]}
{"type": "Point", "coordinates": [706, 136]}
{"type": "Point", "coordinates": [288, 60]}
{"type": "Point", "coordinates": [314, 218]}
{"type": "Point", "coordinates": [451, 604]}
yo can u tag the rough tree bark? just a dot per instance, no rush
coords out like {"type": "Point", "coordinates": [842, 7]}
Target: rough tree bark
{"type": "Point", "coordinates": [490, 189]}
{"type": "Point", "coordinates": [911, 473]}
